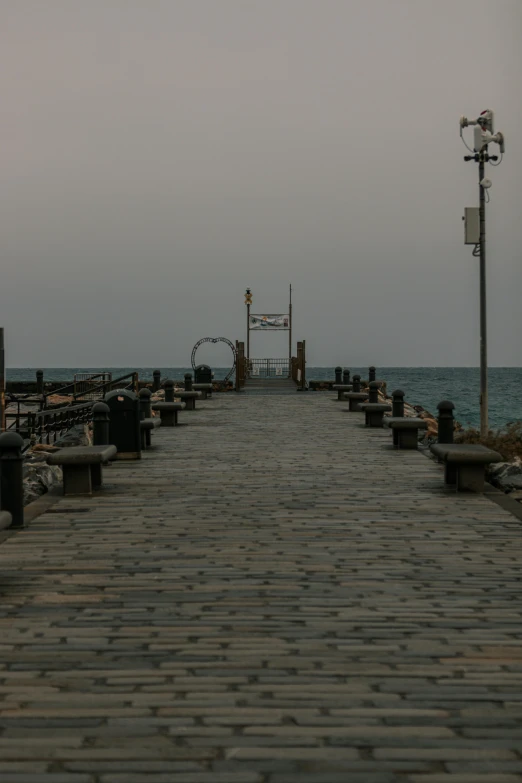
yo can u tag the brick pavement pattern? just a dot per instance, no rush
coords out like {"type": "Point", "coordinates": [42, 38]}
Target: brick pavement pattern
{"type": "Point", "coordinates": [271, 595]}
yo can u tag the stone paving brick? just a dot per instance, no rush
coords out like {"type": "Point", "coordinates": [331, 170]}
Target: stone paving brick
{"type": "Point", "coordinates": [328, 613]}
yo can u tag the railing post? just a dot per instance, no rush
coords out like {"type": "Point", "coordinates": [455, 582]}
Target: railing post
{"type": "Point", "coordinates": [356, 383]}
{"type": "Point", "coordinates": [169, 390]}
{"type": "Point", "coordinates": [373, 391]}
{"type": "Point", "coordinates": [346, 377]}
{"type": "Point", "coordinates": [371, 374]}
{"type": "Point", "coordinates": [12, 476]}
{"type": "Point", "coordinates": [338, 375]}
{"type": "Point", "coordinates": [188, 381]}
{"type": "Point", "coordinates": [156, 383]}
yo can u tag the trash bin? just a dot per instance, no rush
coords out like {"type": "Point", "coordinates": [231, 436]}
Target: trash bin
{"type": "Point", "coordinates": [124, 423]}
{"type": "Point", "coordinates": [203, 374]}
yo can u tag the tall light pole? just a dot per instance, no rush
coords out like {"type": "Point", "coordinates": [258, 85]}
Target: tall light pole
{"type": "Point", "coordinates": [475, 233]}
{"type": "Point", "coordinates": [248, 302]}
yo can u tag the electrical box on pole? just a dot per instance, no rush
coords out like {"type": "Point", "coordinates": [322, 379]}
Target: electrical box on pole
{"type": "Point", "coordinates": [471, 225]}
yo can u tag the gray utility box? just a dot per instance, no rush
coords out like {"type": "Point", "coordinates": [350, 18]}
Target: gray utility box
{"type": "Point", "coordinates": [124, 423]}
{"type": "Point", "coordinates": [471, 226]}
{"type": "Point", "coordinates": [203, 374]}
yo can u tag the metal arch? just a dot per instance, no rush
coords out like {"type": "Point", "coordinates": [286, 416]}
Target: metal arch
{"type": "Point", "coordinates": [215, 340]}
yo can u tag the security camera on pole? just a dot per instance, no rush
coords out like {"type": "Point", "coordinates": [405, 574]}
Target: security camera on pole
{"type": "Point", "coordinates": [475, 232]}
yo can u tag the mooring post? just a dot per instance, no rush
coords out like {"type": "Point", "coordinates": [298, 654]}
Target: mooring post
{"type": "Point", "coordinates": [145, 411]}
{"type": "Point", "coordinates": [338, 375]}
{"type": "Point", "coordinates": [12, 476]}
{"type": "Point", "coordinates": [169, 390]}
{"type": "Point", "coordinates": [373, 391]}
{"type": "Point", "coordinates": [188, 381]}
{"type": "Point", "coordinates": [446, 421]}
{"type": "Point", "coordinates": [371, 374]}
{"type": "Point", "coordinates": [100, 424]}
{"type": "Point", "coordinates": [346, 377]}
{"type": "Point", "coordinates": [39, 382]}
{"type": "Point", "coordinates": [156, 383]}
{"type": "Point", "coordinates": [398, 404]}
{"type": "Point", "coordinates": [356, 383]}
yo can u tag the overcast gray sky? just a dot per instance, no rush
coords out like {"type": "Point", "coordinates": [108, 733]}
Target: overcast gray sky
{"type": "Point", "coordinates": [158, 156]}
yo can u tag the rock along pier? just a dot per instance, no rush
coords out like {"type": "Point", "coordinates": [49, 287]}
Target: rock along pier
{"type": "Point", "coordinates": [270, 595]}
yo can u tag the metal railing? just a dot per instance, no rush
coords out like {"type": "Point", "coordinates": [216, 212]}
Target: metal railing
{"type": "Point", "coordinates": [46, 426]}
{"type": "Point", "coordinates": [86, 382]}
{"type": "Point", "coordinates": [269, 368]}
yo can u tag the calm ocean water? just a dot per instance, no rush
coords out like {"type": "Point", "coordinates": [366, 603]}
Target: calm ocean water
{"type": "Point", "coordinates": [424, 386]}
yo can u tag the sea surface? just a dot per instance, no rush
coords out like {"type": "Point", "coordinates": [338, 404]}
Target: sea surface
{"type": "Point", "coordinates": [424, 386]}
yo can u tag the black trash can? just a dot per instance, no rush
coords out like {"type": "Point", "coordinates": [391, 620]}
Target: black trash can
{"type": "Point", "coordinates": [203, 374]}
{"type": "Point", "coordinates": [124, 423]}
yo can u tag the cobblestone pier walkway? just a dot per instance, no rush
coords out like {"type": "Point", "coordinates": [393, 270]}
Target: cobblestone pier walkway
{"type": "Point", "coordinates": [272, 595]}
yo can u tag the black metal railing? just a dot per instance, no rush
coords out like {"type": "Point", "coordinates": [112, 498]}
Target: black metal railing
{"type": "Point", "coordinates": [47, 426]}
{"type": "Point", "coordinates": [268, 368]}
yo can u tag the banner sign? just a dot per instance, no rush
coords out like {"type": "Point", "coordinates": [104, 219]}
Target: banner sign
{"type": "Point", "coordinates": [268, 322]}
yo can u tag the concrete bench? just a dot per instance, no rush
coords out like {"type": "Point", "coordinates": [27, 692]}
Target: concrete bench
{"type": "Point", "coordinates": [204, 388]}
{"type": "Point", "coordinates": [355, 399]}
{"type": "Point", "coordinates": [341, 388]}
{"type": "Point", "coordinates": [82, 467]}
{"type": "Point", "coordinates": [168, 412]}
{"type": "Point", "coordinates": [374, 413]}
{"type": "Point", "coordinates": [465, 464]}
{"type": "Point", "coordinates": [405, 431]}
{"type": "Point", "coordinates": [189, 398]}
{"type": "Point", "coordinates": [146, 427]}
{"type": "Point", "coordinates": [5, 519]}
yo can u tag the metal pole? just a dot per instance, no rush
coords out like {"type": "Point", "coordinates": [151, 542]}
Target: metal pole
{"type": "Point", "coordinates": [2, 381]}
{"type": "Point", "coordinates": [290, 335]}
{"type": "Point", "coordinates": [484, 427]}
{"type": "Point", "coordinates": [248, 331]}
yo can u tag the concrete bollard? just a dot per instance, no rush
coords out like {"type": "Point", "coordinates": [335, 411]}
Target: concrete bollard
{"type": "Point", "coordinates": [373, 391]}
{"type": "Point", "coordinates": [371, 374]}
{"type": "Point", "coordinates": [100, 424]}
{"type": "Point", "coordinates": [188, 381]}
{"type": "Point", "coordinates": [145, 411]}
{"type": "Point", "coordinates": [356, 383]}
{"type": "Point", "coordinates": [156, 382]}
{"type": "Point", "coordinates": [39, 382]}
{"type": "Point", "coordinates": [398, 404]}
{"type": "Point", "coordinates": [346, 377]}
{"type": "Point", "coordinates": [169, 390]}
{"type": "Point", "coordinates": [446, 421]}
{"type": "Point", "coordinates": [12, 476]}
{"type": "Point", "coordinates": [338, 375]}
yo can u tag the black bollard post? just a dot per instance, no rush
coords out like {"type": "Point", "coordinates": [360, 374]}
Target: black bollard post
{"type": "Point", "coordinates": [145, 395]}
{"type": "Point", "coordinates": [373, 391]}
{"type": "Point", "coordinates": [188, 381]}
{"type": "Point", "coordinates": [12, 476]}
{"type": "Point", "coordinates": [371, 374]}
{"type": "Point", "coordinates": [398, 403]}
{"type": "Point", "coordinates": [356, 383]}
{"type": "Point", "coordinates": [346, 377]}
{"type": "Point", "coordinates": [338, 375]}
{"type": "Point", "coordinates": [446, 421]}
{"type": "Point", "coordinates": [156, 383]}
{"type": "Point", "coordinates": [100, 424]}
{"type": "Point", "coordinates": [39, 382]}
{"type": "Point", "coordinates": [169, 391]}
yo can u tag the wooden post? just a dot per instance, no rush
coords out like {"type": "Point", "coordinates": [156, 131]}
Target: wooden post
{"type": "Point", "coordinates": [2, 381]}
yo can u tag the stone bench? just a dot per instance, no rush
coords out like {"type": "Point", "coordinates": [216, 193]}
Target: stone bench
{"type": "Point", "coordinates": [82, 467]}
{"type": "Point", "coordinates": [465, 464]}
{"type": "Point", "coordinates": [204, 388]}
{"type": "Point", "coordinates": [146, 427]}
{"type": "Point", "coordinates": [341, 388]}
{"type": "Point", "coordinates": [168, 412]}
{"type": "Point", "coordinates": [355, 399]}
{"type": "Point", "coordinates": [374, 413]}
{"type": "Point", "coordinates": [5, 519]}
{"type": "Point", "coordinates": [189, 398]}
{"type": "Point", "coordinates": [405, 431]}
